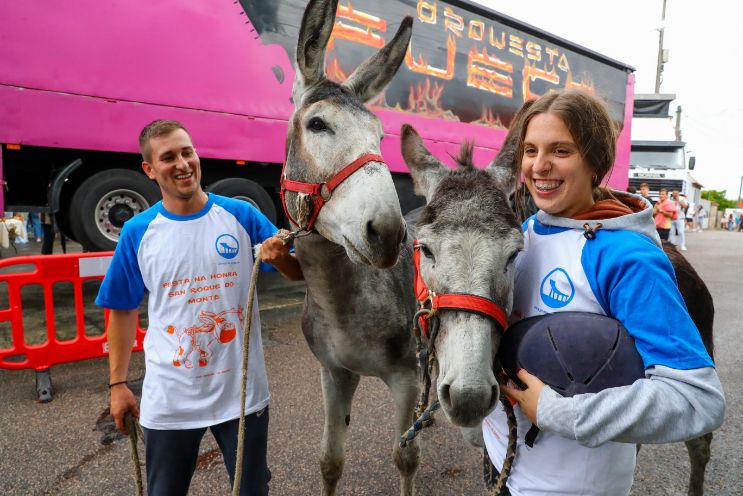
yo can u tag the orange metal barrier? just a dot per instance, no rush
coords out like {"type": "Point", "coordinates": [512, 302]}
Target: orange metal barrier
{"type": "Point", "coordinates": [46, 271]}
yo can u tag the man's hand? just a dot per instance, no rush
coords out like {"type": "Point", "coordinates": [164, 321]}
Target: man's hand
{"type": "Point", "coordinates": [122, 401]}
{"type": "Point", "coordinates": [529, 397]}
{"type": "Point", "coordinates": [274, 250]}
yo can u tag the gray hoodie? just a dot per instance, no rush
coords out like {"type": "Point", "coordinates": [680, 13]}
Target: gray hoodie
{"type": "Point", "coordinates": [668, 405]}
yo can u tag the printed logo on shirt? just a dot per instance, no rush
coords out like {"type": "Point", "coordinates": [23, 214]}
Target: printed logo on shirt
{"type": "Point", "coordinates": [557, 289]}
{"type": "Point", "coordinates": [227, 246]}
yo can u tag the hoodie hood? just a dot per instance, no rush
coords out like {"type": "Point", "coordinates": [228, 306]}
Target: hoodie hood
{"type": "Point", "coordinates": [640, 220]}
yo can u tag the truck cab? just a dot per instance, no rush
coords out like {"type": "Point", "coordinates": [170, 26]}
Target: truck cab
{"type": "Point", "coordinates": [658, 156]}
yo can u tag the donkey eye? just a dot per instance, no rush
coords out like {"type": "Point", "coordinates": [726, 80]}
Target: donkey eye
{"type": "Point", "coordinates": [426, 251]}
{"type": "Point", "coordinates": [512, 259]}
{"type": "Point", "coordinates": [317, 125]}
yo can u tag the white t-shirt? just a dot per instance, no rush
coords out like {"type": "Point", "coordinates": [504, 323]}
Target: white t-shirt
{"type": "Point", "coordinates": [554, 280]}
{"type": "Point", "coordinates": [620, 273]}
{"type": "Point", "coordinates": [197, 271]}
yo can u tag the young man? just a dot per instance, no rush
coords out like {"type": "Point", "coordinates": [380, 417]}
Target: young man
{"type": "Point", "coordinates": [193, 253]}
{"type": "Point", "coordinates": [645, 192]}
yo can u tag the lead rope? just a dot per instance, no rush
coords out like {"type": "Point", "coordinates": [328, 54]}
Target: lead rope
{"type": "Point", "coordinates": [286, 237]}
{"type": "Point", "coordinates": [135, 432]}
{"type": "Point", "coordinates": [505, 472]}
{"type": "Point", "coordinates": [244, 374]}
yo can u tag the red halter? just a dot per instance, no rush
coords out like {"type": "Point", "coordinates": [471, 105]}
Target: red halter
{"type": "Point", "coordinates": [321, 192]}
{"type": "Point", "coordinates": [453, 301]}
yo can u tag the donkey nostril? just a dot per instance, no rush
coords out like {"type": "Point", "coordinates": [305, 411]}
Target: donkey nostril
{"type": "Point", "coordinates": [372, 235]}
{"type": "Point", "coordinates": [495, 397]}
{"type": "Point", "coordinates": [444, 395]}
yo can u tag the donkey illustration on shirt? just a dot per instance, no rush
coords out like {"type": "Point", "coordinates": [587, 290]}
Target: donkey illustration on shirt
{"type": "Point", "coordinates": [215, 327]}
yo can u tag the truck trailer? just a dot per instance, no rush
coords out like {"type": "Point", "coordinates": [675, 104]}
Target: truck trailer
{"type": "Point", "coordinates": [79, 81]}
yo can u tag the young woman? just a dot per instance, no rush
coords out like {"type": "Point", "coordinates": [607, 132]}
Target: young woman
{"type": "Point", "coordinates": [601, 250]}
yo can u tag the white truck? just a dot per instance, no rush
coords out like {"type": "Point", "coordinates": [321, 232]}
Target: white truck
{"type": "Point", "coordinates": [658, 156]}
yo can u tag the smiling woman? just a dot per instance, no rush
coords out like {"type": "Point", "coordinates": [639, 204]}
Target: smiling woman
{"type": "Point", "coordinates": [596, 251]}
{"type": "Point", "coordinates": [568, 143]}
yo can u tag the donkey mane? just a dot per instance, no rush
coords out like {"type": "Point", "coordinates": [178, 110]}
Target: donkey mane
{"type": "Point", "coordinates": [334, 92]}
{"type": "Point", "coordinates": [466, 153]}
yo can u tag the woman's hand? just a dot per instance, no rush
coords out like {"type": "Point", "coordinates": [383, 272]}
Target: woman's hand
{"type": "Point", "coordinates": [529, 397]}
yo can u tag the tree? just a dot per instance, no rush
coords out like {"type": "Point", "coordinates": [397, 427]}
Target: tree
{"type": "Point", "coordinates": [719, 198]}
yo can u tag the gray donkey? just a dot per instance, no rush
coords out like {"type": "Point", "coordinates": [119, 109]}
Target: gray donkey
{"type": "Point", "coordinates": [359, 302]}
{"type": "Point", "coordinates": [468, 236]}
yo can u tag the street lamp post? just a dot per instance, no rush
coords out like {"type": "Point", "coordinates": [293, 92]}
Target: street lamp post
{"type": "Point", "coordinates": [740, 189]}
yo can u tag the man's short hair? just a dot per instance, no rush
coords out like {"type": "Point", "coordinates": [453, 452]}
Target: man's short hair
{"type": "Point", "coordinates": [644, 185]}
{"type": "Point", "coordinates": [663, 190]}
{"type": "Point", "coordinates": [156, 129]}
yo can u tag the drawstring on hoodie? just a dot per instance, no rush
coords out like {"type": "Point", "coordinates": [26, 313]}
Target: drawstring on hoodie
{"type": "Point", "coordinates": [590, 232]}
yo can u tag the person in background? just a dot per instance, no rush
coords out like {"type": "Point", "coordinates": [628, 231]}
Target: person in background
{"type": "Point", "coordinates": [678, 222]}
{"type": "Point", "coordinates": [665, 211]}
{"type": "Point", "coordinates": [701, 214]}
{"type": "Point", "coordinates": [566, 147]}
{"type": "Point", "coordinates": [645, 193]}
{"type": "Point", "coordinates": [33, 226]}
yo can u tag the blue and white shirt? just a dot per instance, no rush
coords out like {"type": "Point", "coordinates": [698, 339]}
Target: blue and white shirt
{"type": "Point", "coordinates": [197, 270]}
{"type": "Point", "coordinates": [623, 274]}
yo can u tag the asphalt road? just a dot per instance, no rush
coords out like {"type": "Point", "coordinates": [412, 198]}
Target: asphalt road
{"type": "Point", "coordinates": [67, 446]}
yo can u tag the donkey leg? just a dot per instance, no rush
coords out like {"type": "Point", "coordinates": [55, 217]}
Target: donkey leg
{"type": "Point", "coordinates": [699, 455]}
{"type": "Point", "coordinates": [404, 387]}
{"type": "Point", "coordinates": [338, 387]}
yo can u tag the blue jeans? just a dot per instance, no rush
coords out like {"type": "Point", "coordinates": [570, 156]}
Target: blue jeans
{"type": "Point", "coordinates": [33, 225]}
{"type": "Point", "coordinates": [171, 456]}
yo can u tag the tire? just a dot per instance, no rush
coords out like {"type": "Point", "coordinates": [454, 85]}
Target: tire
{"type": "Point", "coordinates": [246, 190]}
{"type": "Point", "coordinates": [106, 200]}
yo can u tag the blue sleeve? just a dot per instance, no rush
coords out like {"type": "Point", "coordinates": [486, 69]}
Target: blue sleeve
{"type": "Point", "coordinates": [635, 283]}
{"type": "Point", "coordinates": [123, 287]}
{"type": "Point", "coordinates": [257, 225]}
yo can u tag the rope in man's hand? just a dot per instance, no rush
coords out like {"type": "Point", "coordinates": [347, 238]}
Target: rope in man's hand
{"type": "Point", "coordinates": [135, 432]}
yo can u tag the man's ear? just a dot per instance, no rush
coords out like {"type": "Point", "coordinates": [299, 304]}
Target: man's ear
{"type": "Point", "coordinates": [147, 168]}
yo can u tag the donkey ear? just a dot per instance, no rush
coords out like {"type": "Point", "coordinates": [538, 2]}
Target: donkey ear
{"type": "Point", "coordinates": [505, 166]}
{"type": "Point", "coordinates": [370, 78]}
{"type": "Point", "coordinates": [425, 169]}
{"type": "Point", "coordinates": [317, 24]}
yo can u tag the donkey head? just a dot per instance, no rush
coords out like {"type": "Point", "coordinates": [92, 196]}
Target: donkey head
{"type": "Point", "coordinates": [330, 129]}
{"type": "Point", "coordinates": [469, 240]}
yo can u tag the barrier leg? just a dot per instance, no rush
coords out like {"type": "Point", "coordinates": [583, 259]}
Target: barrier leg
{"type": "Point", "coordinates": [44, 386]}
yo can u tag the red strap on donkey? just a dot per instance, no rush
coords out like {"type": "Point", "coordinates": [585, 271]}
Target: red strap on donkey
{"type": "Point", "coordinates": [321, 192]}
{"type": "Point", "coordinates": [462, 302]}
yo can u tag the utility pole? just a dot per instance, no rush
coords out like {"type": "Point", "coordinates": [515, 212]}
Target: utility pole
{"type": "Point", "coordinates": [678, 123]}
{"type": "Point", "coordinates": [661, 58]}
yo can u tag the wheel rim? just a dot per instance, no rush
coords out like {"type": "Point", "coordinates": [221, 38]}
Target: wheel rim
{"type": "Point", "coordinates": [115, 208]}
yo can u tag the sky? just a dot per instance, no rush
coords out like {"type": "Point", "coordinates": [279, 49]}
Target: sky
{"type": "Point", "coordinates": [704, 70]}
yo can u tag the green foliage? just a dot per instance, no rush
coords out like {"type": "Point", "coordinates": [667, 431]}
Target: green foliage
{"type": "Point", "coordinates": [718, 197]}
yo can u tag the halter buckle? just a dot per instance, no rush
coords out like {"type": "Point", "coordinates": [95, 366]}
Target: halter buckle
{"type": "Point", "coordinates": [427, 304]}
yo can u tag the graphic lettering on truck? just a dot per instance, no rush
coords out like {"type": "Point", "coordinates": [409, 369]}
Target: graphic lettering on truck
{"type": "Point", "coordinates": [459, 66]}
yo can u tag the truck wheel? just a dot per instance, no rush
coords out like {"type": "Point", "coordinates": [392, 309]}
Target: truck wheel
{"type": "Point", "coordinates": [106, 200]}
{"type": "Point", "coordinates": [246, 190]}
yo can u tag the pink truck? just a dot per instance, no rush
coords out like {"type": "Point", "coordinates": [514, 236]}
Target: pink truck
{"type": "Point", "coordinates": [78, 82]}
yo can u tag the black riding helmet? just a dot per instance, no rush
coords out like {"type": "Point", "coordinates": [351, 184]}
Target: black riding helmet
{"type": "Point", "coordinates": [572, 352]}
